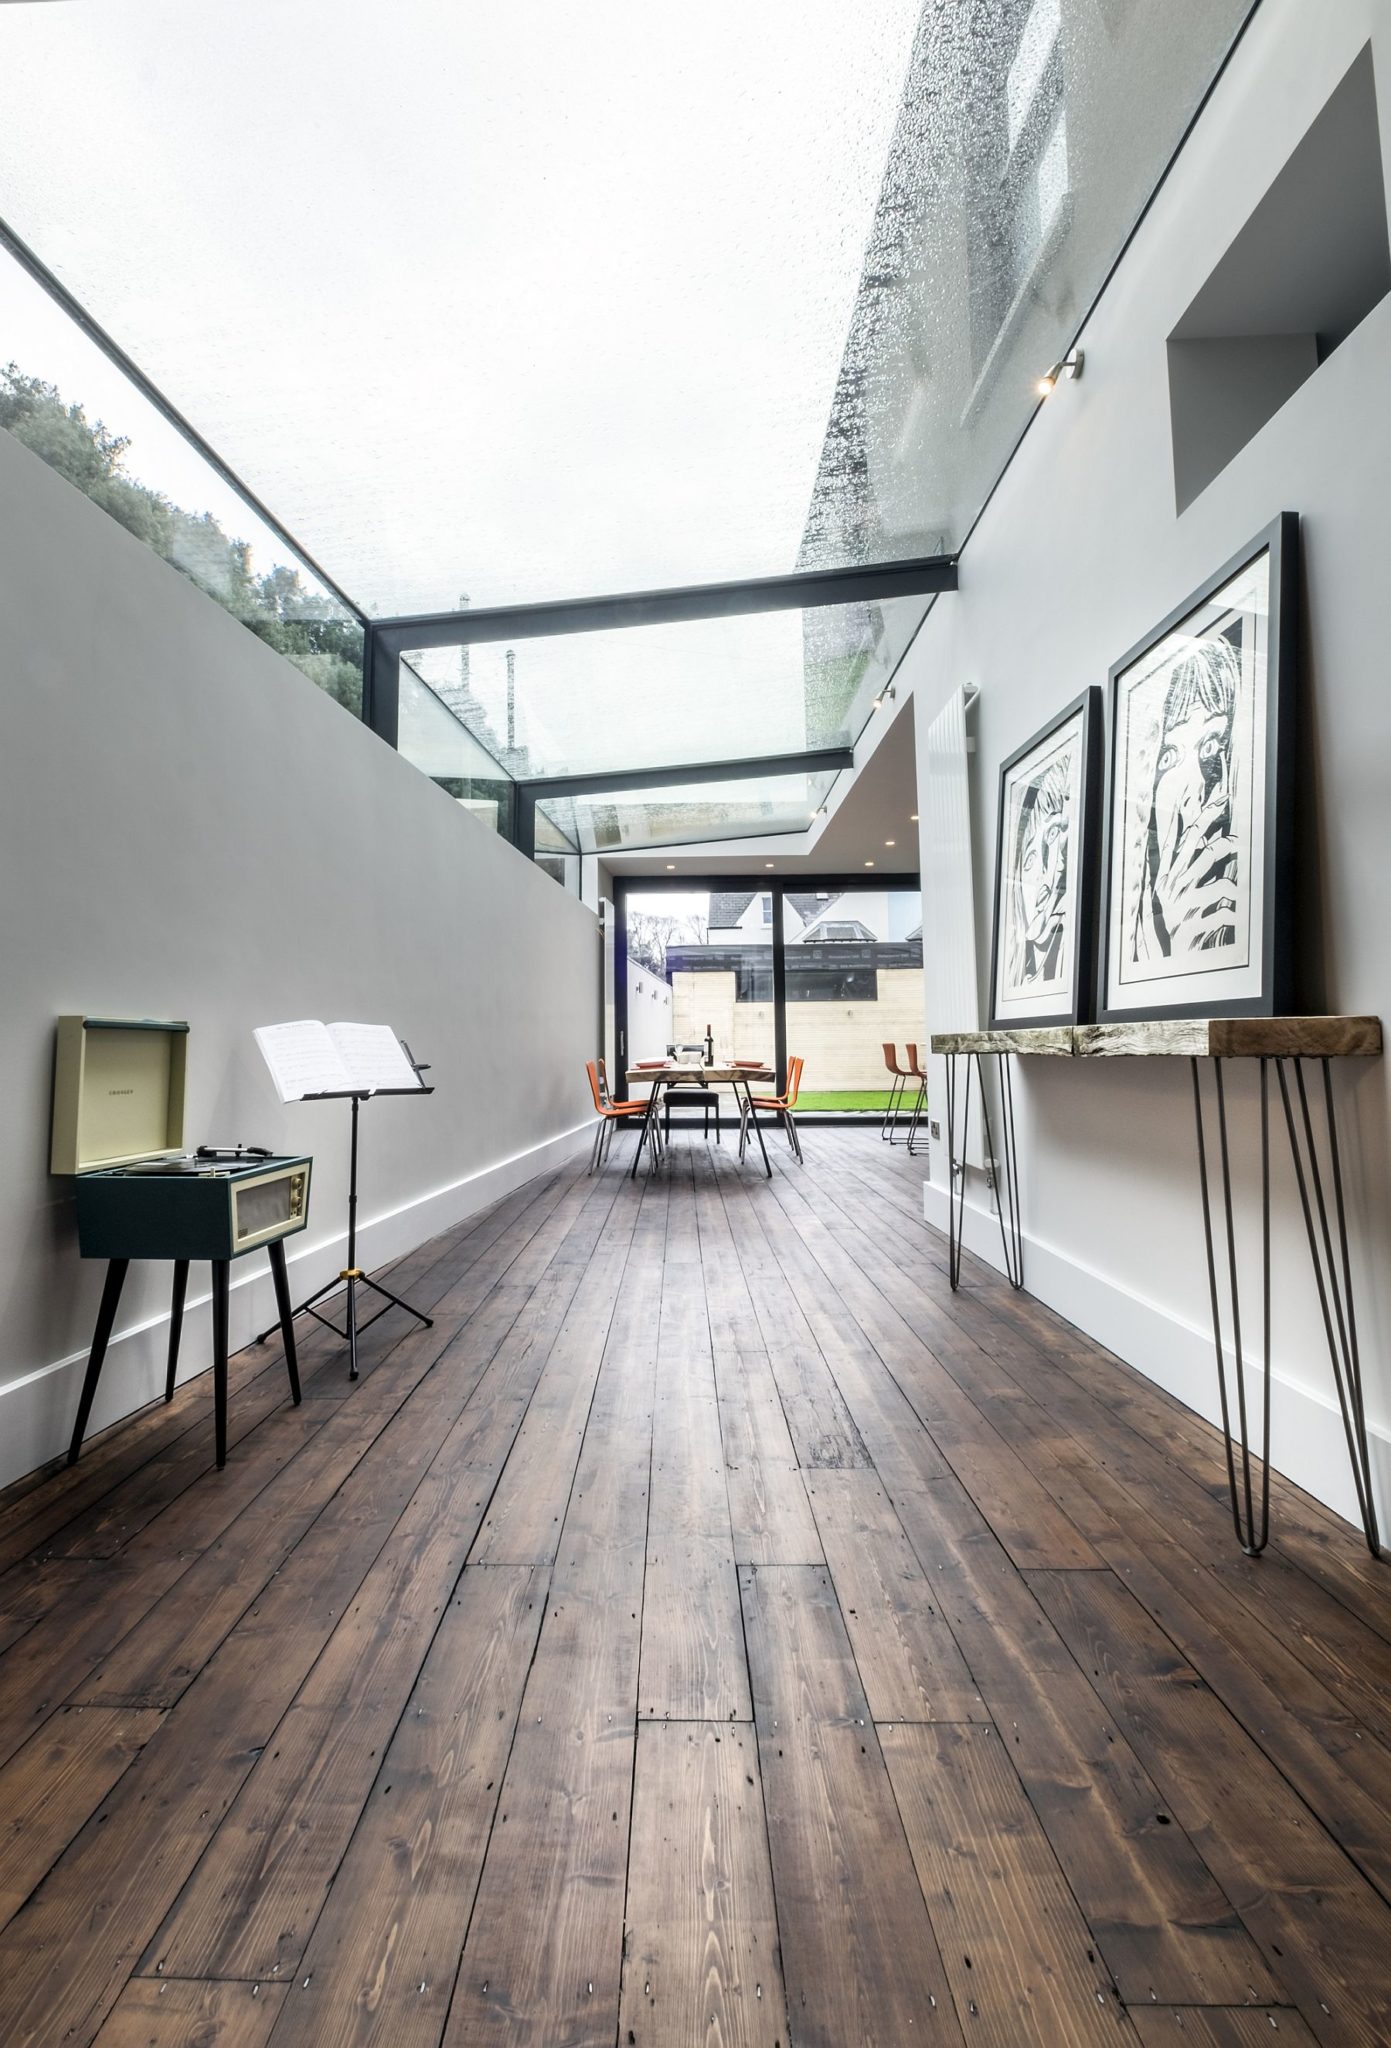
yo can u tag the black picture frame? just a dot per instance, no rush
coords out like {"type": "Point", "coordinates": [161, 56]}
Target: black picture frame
{"type": "Point", "coordinates": [1274, 914]}
{"type": "Point", "coordinates": [1083, 854]}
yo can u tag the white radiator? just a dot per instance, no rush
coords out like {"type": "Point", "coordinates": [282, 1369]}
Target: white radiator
{"type": "Point", "coordinates": [950, 986]}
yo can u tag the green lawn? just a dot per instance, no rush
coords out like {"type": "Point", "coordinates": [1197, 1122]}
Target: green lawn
{"type": "Point", "coordinates": [846, 1098]}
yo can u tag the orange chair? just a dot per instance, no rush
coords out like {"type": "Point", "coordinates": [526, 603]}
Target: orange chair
{"type": "Point", "coordinates": [781, 1106]}
{"type": "Point", "coordinates": [610, 1113]}
{"type": "Point", "coordinates": [901, 1077]}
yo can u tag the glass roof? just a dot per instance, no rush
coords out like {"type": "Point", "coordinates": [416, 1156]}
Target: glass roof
{"type": "Point", "coordinates": [527, 302]}
{"type": "Point", "coordinates": [671, 815]}
{"type": "Point", "coordinates": [665, 696]}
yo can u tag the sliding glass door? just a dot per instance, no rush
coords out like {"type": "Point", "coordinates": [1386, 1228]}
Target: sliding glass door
{"type": "Point", "coordinates": [854, 980]}
{"type": "Point", "coordinates": [830, 971]}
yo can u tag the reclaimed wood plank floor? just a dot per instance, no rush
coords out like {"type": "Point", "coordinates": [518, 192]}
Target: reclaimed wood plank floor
{"type": "Point", "coordinates": [712, 1633]}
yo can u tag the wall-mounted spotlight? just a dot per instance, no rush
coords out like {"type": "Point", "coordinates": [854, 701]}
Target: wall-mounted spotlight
{"type": "Point", "coordinates": [1070, 366]}
{"type": "Point", "coordinates": [886, 695]}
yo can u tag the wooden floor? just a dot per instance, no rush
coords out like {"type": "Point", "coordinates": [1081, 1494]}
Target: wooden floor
{"type": "Point", "coordinates": [710, 1632]}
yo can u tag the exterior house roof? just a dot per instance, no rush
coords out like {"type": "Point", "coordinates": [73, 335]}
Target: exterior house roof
{"type": "Point", "coordinates": [808, 906]}
{"type": "Point", "coordinates": [727, 907]}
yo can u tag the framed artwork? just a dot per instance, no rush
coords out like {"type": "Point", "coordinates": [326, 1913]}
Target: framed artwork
{"type": "Point", "coordinates": [1197, 910]}
{"type": "Point", "coordinates": [1041, 963]}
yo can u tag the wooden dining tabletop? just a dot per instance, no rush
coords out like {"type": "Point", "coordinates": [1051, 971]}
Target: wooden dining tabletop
{"type": "Point", "coordinates": [678, 1070]}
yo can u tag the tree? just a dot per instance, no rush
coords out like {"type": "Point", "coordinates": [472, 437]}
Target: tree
{"type": "Point", "coordinates": [307, 626]}
{"type": "Point", "coordinates": [648, 938]}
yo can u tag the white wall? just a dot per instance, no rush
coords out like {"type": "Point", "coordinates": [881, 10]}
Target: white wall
{"type": "Point", "coordinates": [649, 1018]}
{"type": "Point", "coordinates": [190, 829]}
{"type": "Point", "coordinates": [1078, 555]}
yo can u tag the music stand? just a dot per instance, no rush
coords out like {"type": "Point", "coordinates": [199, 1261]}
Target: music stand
{"type": "Point", "coordinates": [352, 1273]}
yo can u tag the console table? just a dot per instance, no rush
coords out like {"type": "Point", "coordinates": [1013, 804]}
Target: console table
{"type": "Point", "coordinates": [1311, 1126]}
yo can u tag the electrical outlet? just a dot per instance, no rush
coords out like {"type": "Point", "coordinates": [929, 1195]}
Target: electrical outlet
{"type": "Point", "coordinates": [934, 1130]}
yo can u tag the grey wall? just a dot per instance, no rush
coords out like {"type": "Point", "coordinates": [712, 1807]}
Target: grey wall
{"type": "Point", "coordinates": [1079, 554]}
{"type": "Point", "coordinates": [190, 829]}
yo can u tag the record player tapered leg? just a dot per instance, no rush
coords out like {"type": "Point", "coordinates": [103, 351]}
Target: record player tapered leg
{"type": "Point", "coordinates": [221, 1270]}
{"type": "Point", "coordinates": [176, 1324]}
{"type": "Point", "coordinates": [281, 1278]}
{"type": "Point", "coordinates": [106, 1318]}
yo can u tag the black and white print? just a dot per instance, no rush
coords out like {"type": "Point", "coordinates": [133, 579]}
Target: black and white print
{"type": "Point", "coordinates": [1195, 719]}
{"type": "Point", "coordinates": [1042, 919]}
{"type": "Point", "coordinates": [1189, 746]}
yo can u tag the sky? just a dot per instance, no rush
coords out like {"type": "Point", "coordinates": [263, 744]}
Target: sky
{"type": "Point", "coordinates": [517, 301]}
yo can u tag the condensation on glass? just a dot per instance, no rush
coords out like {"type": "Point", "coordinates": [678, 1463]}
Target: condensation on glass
{"type": "Point", "coordinates": [616, 308]}
{"type": "Point", "coordinates": [1030, 136]}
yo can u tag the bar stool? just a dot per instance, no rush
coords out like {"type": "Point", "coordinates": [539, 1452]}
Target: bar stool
{"type": "Point", "coordinates": [916, 1069]}
{"type": "Point", "coordinates": [901, 1077]}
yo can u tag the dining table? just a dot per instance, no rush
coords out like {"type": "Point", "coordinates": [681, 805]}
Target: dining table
{"type": "Point", "coordinates": [693, 1074]}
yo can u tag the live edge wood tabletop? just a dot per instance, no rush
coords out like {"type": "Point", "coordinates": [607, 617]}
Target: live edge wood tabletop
{"type": "Point", "coordinates": [1182, 1038]}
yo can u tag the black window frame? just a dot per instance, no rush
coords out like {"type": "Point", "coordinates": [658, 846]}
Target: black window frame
{"type": "Point", "coordinates": [627, 885]}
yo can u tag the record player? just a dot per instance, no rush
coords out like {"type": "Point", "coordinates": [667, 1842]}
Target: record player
{"type": "Point", "coordinates": [118, 1127]}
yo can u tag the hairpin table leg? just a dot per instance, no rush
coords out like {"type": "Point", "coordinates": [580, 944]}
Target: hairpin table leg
{"type": "Point", "coordinates": [956, 1205]}
{"type": "Point", "coordinates": [1332, 1273]}
{"type": "Point", "coordinates": [1006, 1169]}
{"type": "Point", "coordinates": [1252, 1535]}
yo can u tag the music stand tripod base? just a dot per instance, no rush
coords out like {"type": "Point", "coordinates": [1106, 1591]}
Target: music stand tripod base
{"type": "Point", "coordinates": [352, 1276]}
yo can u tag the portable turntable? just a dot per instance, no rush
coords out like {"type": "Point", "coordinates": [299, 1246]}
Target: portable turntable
{"type": "Point", "coordinates": [118, 1127]}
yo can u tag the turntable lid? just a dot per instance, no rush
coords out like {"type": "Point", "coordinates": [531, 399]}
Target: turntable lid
{"type": "Point", "coordinates": [118, 1091]}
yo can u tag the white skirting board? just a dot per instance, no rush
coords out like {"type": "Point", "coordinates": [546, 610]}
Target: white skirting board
{"type": "Point", "coordinates": [1306, 1427]}
{"type": "Point", "coordinates": [37, 1410]}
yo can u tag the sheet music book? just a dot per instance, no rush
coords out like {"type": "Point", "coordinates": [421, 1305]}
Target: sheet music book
{"type": "Point", "coordinates": [309, 1058]}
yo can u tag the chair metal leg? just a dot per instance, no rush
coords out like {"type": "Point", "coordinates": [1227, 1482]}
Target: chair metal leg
{"type": "Point", "coordinates": [650, 1134]}
{"type": "Point", "coordinates": [891, 1107]}
{"type": "Point", "coordinates": [598, 1141]}
{"type": "Point", "coordinates": [106, 1319]}
{"type": "Point", "coordinates": [176, 1324]}
{"type": "Point", "coordinates": [793, 1138]}
{"type": "Point", "coordinates": [918, 1106]}
{"type": "Point", "coordinates": [757, 1129]}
